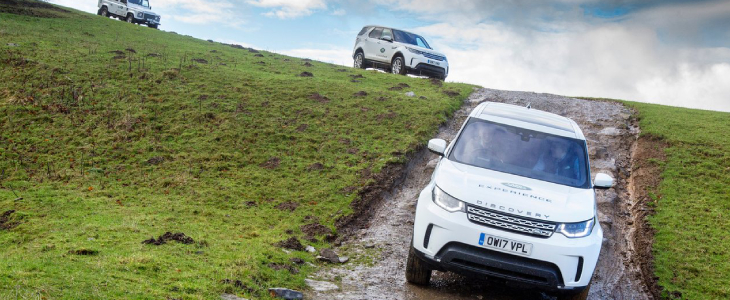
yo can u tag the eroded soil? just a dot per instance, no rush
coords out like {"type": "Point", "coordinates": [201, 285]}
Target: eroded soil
{"type": "Point", "coordinates": [611, 133]}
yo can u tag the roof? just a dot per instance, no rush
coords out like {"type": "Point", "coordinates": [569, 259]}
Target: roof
{"type": "Point", "coordinates": [521, 116]}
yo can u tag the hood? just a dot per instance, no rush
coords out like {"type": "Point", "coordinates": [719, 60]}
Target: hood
{"type": "Point", "coordinates": [140, 8]}
{"type": "Point", "coordinates": [419, 48]}
{"type": "Point", "coordinates": [514, 194]}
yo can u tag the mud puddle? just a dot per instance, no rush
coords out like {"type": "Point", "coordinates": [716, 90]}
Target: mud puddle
{"type": "Point", "coordinates": [611, 134]}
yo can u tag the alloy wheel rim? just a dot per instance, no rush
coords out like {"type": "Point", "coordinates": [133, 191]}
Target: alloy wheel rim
{"type": "Point", "coordinates": [358, 61]}
{"type": "Point", "coordinates": [396, 66]}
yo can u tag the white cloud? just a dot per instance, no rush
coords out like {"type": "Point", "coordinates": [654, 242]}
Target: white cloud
{"type": "Point", "coordinates": [334, 55]}
{"type": "Point", "coordinates": [339, 12]}
{"type": "Point", "coordinates": [607, 60]}
{"type": "Point", "coordinates": [288, 9]}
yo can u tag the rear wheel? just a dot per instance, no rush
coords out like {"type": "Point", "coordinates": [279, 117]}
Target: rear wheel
{"type": "Point", "coordinates": [397, 66]}
{"type": "Point", "coordinates": [130, 18]}
{"type": "Point", "coordinates": [359, 61]}
{"type": "Point", "coordinates": [583, 295]}
{"type": "Point", "coordinates": [417, 272]}
{"type": "Point", "coordinates": [103, 12]}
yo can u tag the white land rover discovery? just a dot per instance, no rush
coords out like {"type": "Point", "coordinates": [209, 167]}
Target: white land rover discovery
{"type": "Point", "coordinates": [511, 198]}
{"type": "Point", "coordinates": [132, 11]}
{"type": "Point", "coordinates": [399, 51]}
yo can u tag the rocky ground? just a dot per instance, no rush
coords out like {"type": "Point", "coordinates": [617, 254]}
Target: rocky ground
{"type": "Point", "coordinates": [611, 133]}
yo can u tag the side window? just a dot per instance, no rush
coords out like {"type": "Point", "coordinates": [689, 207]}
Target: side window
{"type": "Point", "coordinates": [387, 34]}
{"type": "Point", "coordinates": [364, 29]}
{"type": "Point", "coordinates": [376, 33]}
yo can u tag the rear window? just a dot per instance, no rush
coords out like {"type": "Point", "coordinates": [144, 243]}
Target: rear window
{"type": "Point", "coordinates": [523, 152]}
{"type": "Point", "coordinates": [364, 30]}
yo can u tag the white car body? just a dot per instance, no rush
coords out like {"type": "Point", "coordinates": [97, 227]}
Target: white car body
{"type": "Point", "coordinates": [132, 11]}
{"type": "Point", "coordinates": [379, 51]}
{"type": "Point", "coordinates": [451, 240]}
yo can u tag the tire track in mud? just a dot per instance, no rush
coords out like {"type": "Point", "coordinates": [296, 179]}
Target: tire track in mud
{"type": "Point", "coordinates": [611, 133]}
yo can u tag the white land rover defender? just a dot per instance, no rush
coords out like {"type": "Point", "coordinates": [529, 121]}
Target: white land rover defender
{"type": "Point", "coordinates": [399, 51]}
{"type": "Point", "coordinates": [511, 198]}
{"type": "Point", "coordinates": [131, 11]}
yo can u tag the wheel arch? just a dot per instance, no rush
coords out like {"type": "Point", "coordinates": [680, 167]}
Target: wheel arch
{"type": "Point", "coordinates": [358, 50]}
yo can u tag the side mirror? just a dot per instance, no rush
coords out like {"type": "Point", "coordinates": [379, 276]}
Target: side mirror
{"type": "Point", "coordinates": [437, 146]}
{"type": "Point", "coordinates": [603, 181]}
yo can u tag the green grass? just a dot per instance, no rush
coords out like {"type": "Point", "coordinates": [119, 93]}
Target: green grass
{"type": "Point", "coordinates": [692, 220]}
{"type": "Point", "coordinates": [106, 153]}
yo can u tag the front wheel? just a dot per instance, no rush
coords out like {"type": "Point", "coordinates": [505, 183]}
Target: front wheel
{"type": "Point", "coordinates": [583, 295]}
{"type": "Point", "coordinates": [417, 272]}
{"type": "Point", "coordinates": [103, 12]}
{"type": "Point", "coordinates": [397, 66]}
{"type": "Point", "coordinates": [130, 18]}
{"type": "Point", "coordinates": [359, 61]}
{"type": "Point", "coordinates": [153, 26]}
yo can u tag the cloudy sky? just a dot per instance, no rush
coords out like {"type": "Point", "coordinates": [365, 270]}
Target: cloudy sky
{"type": "Point", "coordinates": [670, 52]}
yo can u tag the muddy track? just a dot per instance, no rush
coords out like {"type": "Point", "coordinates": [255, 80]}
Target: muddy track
{"type": "Point", "coordinates": [611, 132]}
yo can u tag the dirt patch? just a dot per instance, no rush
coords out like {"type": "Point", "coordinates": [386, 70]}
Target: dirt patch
{"type": "Point", "coordinates": [237, 284]}
{"type": "Point", "coordinates": [357, 76]}
{"type": "Point", "coordinates": [272, 163]}
{"type": "Point", "coordinates": [436, 82]}
{"type": "Point", "coordinates": [307, 64]}
{"type": "Point", "coordinates": [32, 8]}
{"type": "Point", "coordinates": [645, 180]}
{"type": "Point", "coordinates": [451, 93]}
{"type": "Point", "coordinates": [119, 57]}
{"type": "Point", "coordinates": [290, 268]}
{"type": "Point", "coordinates": [315, 229]}
{"type": "Point", "coordinates": [302, 128]}
{"type": "Point", "coordinates": [290, 243]}
{"type": "Point", "coordinates": [155, 160]}
{"type": "Point", "coordinates": [153, 55]}
{"type": "Point", "coordinates": [288, 206]}
{"type": "Point", "coordinates": [360, 94]}
{"type": "Point", "coordinates": [306, 74]}
{"type": "Point", "coordinates": [6, 222]}
{"type": "Point", "coordinates": [131, 50]}
{"type": "Point", "coordinates": [169, 236]}
{"type": "Point", "coordinates": [117, 52]}
{"type": "Point", "coordinates": [258, 55]}
{"type": "Point", "coordinates": [85, 252]}
{"type": "Point", "coordinates": [399, 87]}
{"type": "Point", "coordinates": [341, 70]}
{"type": "Point", "coordinates": [388, 116]}
{"type": "Point", "coordinates": [200, 60]}
{"type": "Point", "coordinates": [251, 50]}
{"type": "Point", "coordinates": [319, 98]}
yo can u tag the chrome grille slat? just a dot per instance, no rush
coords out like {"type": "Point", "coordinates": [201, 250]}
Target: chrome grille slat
{"type": "Point", "coordinates": [510, 222]}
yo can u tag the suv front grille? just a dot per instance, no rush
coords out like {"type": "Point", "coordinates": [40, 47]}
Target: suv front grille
{"type": "Point", "coordinates": [433, 56]}
{"type": "Point", "coordinates": [508, 222]}
{"type": "Point", "coordinates": [150, 17]}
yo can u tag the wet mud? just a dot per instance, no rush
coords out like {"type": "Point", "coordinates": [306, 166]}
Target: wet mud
{"type": "Point", "coordinates": [385, 237]}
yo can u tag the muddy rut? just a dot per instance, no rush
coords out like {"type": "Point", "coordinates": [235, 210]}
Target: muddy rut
{"type": "Point", "coordinates": [611, 133]}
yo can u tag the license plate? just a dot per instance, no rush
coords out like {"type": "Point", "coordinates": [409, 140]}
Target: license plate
{"type": "Point", "coordinates": [433, 62]}
{"type": "Point", "coordinates": [495, 242]}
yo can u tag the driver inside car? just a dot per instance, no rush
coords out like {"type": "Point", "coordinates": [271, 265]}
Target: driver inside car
{"type": "Point", "coordinates": [484, 144]}
{"type": "Point", "coordinates": [559, 159]}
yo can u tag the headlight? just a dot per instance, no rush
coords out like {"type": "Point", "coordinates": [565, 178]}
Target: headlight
{"type": "Point", "coordinates": [447, 202]}
{"type": "Point", "coordinates": [139, 15]}
{"type": "Point", "coordinates": [413, 50]}
{"type": "Point", "coordinates": [577, 230]}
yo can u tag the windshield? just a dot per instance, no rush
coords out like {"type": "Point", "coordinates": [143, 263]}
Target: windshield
{"type": "Point", "coordinates": [523, 152]}
{"type": "Point", "coordinates": [410, 38]}
{"type": "Point", "coordinates": [144, 3]}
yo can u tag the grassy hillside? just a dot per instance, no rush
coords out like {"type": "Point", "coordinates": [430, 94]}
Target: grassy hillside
{"type": "Point", "coordinates": [692, 220]}
{"type": "Point", "coordinates": [112, 133]}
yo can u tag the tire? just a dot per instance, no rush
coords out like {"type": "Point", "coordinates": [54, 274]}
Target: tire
{"type": "Point", "coordinates": [359, 60]}
{"type": "Point", "coordinates": [398, 66]}
{"type": "Point", "coordinates": [417, 272]}
{"type": "Point", "coordinates": [583, 295]}
{"type": "Point", "coordinates": [103, 12]}
{"type": "Point", "coordinates": [152, 26]}
{"type": "Point", "coordinates": [129, 18]}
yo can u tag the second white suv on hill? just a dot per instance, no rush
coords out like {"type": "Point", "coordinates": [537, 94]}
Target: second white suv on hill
{"type": "Point", "coordinates": [511, 198]}
{"type": "Point", "coordinates": [131, 11]}
{"type": "Point", "coordinates": [398, 51]}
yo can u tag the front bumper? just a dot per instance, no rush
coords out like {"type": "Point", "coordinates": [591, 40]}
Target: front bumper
{"type": "Point", "coordinates": [449, 241]}
{"type": "Point", "coordinates": [419, 65]}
